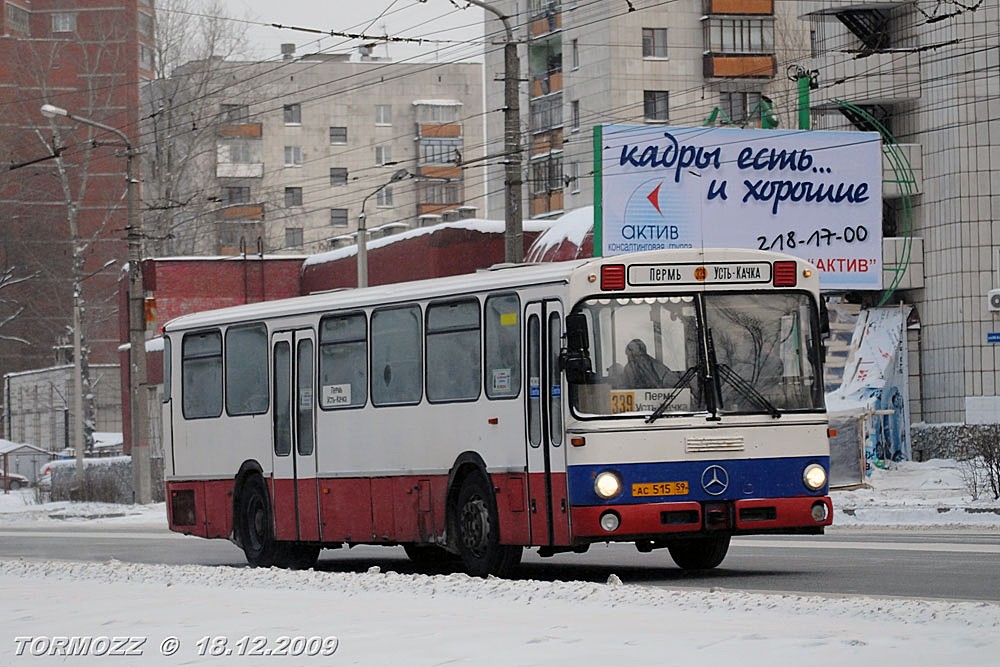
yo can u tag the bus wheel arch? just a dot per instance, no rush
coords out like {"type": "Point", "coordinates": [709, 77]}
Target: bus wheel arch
{"type": "Point", "coordinates": [473, 520]}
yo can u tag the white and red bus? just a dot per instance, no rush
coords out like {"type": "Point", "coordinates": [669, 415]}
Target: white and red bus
{"type": "Point", "coordinates": [671, 399]}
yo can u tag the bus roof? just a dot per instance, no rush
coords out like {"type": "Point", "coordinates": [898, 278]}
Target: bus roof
{"type": "Point", "coordinates": [497, 278]}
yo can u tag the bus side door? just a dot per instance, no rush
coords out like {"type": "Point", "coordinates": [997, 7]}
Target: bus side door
{"type": "Point", "coordinates": [294, 491]}
{"type": "Point", "coordinates": [545, 432]}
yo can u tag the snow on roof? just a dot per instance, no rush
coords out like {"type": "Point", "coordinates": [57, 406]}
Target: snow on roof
{"type": "Point", "coordinates": [475, 224]}
{"type": "Point", "coordinates": [8, 447]}
{"type": "Point", "coordinates": [572, 227]}
{"type": "Point", "coordinates": [438, 103]}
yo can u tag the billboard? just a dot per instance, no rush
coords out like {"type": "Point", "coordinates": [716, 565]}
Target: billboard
{"type": "Point", "coordinates": [816, 195]}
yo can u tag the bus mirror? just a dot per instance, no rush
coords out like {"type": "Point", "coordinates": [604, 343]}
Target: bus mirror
{"type": "Point", "coordinates": [575, 357]}
{"type": "Point", "coordinates": [824, 319]}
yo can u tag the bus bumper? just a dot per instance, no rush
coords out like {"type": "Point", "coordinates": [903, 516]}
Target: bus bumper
{"type": "Point", "coordinates": [756, 515]}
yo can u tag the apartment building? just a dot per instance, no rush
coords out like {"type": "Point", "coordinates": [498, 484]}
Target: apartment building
{"type": "Point", "coordinates": [927, 78]}
{"type": "Point", "coordinates": [286, 156]}
{"type": "Point", "coordinates": [643, 61]}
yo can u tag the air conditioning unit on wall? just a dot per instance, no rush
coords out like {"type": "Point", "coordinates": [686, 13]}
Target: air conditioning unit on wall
{"type": "Point", "coordinates": [993, 300]}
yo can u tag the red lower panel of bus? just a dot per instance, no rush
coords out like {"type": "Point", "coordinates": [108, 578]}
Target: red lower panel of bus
{"type": "Point", "coordinates": [761, 514]}
{"type": "Point", "coordinates": [373, 510]}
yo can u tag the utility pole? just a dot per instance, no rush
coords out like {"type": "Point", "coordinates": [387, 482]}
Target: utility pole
{"type": "Point", "coordinates": [513, 227]}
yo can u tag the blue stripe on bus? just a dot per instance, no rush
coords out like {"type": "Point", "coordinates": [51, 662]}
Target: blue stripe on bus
{"type": "Point", "coordinates": [747, 478]}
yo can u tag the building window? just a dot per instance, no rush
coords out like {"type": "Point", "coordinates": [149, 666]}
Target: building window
{"type": "Point", "coordinates": [546, 175]}
{"type": "Point", "coordinates": [241, 151]}
{"type": "Point", "coordinates": [383, 155]}
{"type": "Point", "coordinates": [146, 57]}
{"type": "Point", "coordinates": [739, 106]}
{"type": "Point", "coordinates": [64, 22]}
{"type": "Point", "coordinates": [293, 114]}
{"type": "Point", "coordinates": [654, 42]}
{"type": "Point", "coordinates": [743, 35]}
{"type": "Point", "coordinates": [437, 113]}
{"type": "Point", "coordinates": [655, 105]}
{"type": "Point", "coordinates": [293, 197]}
{"type": "Point", "coordinates": [18, 19]}
{"type": "Point", "coordinates": [338, 176]}
{"type": "Point", "coordinates": [546, 113]}
{"type": "Point", "coordinates": [235, 114]}
{"type": "Point", "coordinates": [383, 114]}
{"type": "Point", "coordinates": [238, 194]}
{"type": "Point", "coordinates": [293, 237]}
{"type": "Point", "coordinates": [574, 109]}
{"type": "Point", "coordinates": [145, 25]}
{"type": "Point", "coordinates": [338, 135]}
{"type": "Point", "coordinates": [384, 197]}
{"type": "Point", "coordinates": [432, 192]}
{"type": "Point", "coordinates": [293, 156]}
{"type": "Point", "coordinates": [440, 151]}
{"type": "Point", "coordinates": [575, 52]}
{"type": "Point", "coordinates": [573, 177]}
{"type": "Point", "coordinates": [338, 217]}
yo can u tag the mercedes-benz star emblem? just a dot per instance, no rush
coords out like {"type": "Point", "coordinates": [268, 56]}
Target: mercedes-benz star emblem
{"type": "Point", "coordinates": [715, 480]}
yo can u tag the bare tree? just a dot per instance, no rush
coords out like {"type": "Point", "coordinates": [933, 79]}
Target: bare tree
{"type": "Point", "coordinates": [10, 309]}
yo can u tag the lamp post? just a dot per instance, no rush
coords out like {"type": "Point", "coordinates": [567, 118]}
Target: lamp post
{"type": "Point", "coordinates": [397, 176]}
{"type": "Point", "coordinates": [138, 430]}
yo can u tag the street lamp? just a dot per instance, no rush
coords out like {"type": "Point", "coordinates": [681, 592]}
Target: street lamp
{"type": "Point", "coordinates": [137, 322]}
{"type": "Point", "coordinates": [397, 176]}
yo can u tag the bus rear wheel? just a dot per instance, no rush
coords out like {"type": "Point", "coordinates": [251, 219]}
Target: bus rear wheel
{"type": "Point", "coordinates": [699, 553]}
{"type": "Point", "coordinates": [255, 526]}
{"type": "Point", "coordinates": [478, 531]}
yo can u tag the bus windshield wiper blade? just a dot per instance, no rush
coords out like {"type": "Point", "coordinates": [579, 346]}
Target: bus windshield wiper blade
{"type": "Point", "coordinates": [675, 392]}
{"type": "Point", "coordinates": [747, 390]}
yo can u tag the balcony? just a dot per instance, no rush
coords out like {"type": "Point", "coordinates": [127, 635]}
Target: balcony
{"type": "Point", "coordinates": [895, 185]}
{"type": "Point", "coordinates": [240, 130]}
{"type": "Point", "coordinates": [239, 170]}
{"type": "Point", "coordinates": [548, 22]}
{"type": "Point", "coordinates": [742, 66]}
{"type": "Point", "coordinates": [544, 84]}
{"type": "Point", "coordinates": [902, 267]}
{"type": "Point", "coordinates": [816, 8]}
{"type": "Point", "coordinates": [742, 7]}
{"type": "Point", "coordinates": [879, 78]}
{"type": "Point", "coordinates": [241, 212]}
{"type": "Point", "coordinates": [439, 130]}
{"type": "Point", "coordinates": [546, 142]}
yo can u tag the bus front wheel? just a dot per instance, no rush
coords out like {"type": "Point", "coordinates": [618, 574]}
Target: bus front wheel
{"type": "Point", "coordinates": [700, 553]}
{"type": "Point", "coordinates": [478, 531]}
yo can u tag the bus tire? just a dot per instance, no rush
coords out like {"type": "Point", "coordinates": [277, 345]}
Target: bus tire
{"type": "Point", "coordinates": [478, 531]}
{"type": "Point", "coordinates": [255, 524]}
{"type": "Point", "coordinates": [699, 553]}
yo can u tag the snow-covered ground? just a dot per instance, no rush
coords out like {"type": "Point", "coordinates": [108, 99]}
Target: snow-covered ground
{"type": "Point", "coordinates": [386, 618]}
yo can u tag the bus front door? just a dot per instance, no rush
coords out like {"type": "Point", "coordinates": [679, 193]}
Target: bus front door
{"type": "Point", "coordinates": [545, 450]}
{"type": "Point", "coordinates": [294, 488]}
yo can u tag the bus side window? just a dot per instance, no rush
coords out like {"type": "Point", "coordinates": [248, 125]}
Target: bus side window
{"type": "Point", "coordinates": [246, 370]}
{"type": "Point", "coordinates": [454, 358]}
{"type": "Point", "coordinates": [343, 361]}
{"type": "Point", "coordinates": [201, 374]}
{"type": "Point", "coordinates": [503, 346]}
{"type": "Point", "coordinates": [166, 369]}
{"type": "Point", "coordinates": [397, 359]}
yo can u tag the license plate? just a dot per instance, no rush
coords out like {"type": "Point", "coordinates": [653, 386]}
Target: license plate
{"type": "Point", "coordinates": [659, 489]}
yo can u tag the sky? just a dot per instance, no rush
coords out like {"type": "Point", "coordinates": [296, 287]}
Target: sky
{"type": "Point", "coordinates": [385, 618]}
{"type": "Point", "coordinates": [449, 33]}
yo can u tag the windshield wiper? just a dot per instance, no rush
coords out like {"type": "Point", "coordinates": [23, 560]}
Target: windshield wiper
{"type": "Point", "coordinates": [674, 393]}
{"type": "Point", "coordinates": [747, 390]}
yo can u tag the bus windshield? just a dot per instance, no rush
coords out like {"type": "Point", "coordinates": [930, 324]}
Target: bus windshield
{"type": "Point", "coordinates": [656, 356]}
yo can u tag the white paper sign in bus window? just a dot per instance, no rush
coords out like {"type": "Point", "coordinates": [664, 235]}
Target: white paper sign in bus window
{"type": "Point", "coordinates": [816, 195]}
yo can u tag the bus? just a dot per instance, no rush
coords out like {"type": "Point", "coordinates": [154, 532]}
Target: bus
{"type": "Point", "coordinates": [670, 399]}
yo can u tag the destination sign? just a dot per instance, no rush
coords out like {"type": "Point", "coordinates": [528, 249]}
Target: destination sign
{"type": "Point", "coordinates": [723, 273]}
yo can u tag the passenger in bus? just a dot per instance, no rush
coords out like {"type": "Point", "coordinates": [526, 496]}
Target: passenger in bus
{"type": "Point", "coordinates": [643, 371]}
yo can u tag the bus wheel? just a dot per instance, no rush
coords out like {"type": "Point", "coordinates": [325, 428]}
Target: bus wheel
{"type": "Point", "coordinates": [254, 516]}
{"type": "Point", "coordinates": [701, 553]}
{"type": "Point", "coordinates": [479, 531]}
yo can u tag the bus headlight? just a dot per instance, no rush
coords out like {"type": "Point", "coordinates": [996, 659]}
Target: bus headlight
{"type": "Point", "coordinates": [814, 477]}
{"type": "Point", "coordinates": [607, 485]}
